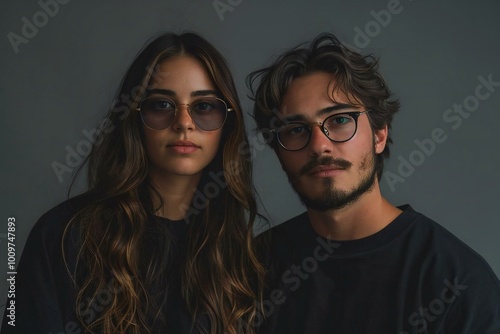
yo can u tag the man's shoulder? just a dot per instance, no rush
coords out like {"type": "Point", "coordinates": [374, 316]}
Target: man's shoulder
{"type": "Point", "coordinates": [444, 249]}
{"type": "Point", "coordinates": [289, 240]}
{"type": "Point", "coordinates": [448, 262]}
{"type": "Point", "coordinates": [290, 229]}
{"type": "Point", "coordinates": [438, 236]}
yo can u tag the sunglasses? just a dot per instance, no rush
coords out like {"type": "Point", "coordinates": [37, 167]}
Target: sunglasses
{"type": "Point", "coordinates": [207, 113]}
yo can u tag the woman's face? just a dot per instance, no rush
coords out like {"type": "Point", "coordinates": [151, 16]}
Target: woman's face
{"type": "Point", "coordinates": [182, 149]}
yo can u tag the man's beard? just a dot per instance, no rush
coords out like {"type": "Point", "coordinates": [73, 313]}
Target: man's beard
{"type": "Point", "coordinates": [332, 198]}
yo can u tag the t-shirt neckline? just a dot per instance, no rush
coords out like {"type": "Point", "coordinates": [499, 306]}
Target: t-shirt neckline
{"type": "Point", "coordinates": [372, 242]}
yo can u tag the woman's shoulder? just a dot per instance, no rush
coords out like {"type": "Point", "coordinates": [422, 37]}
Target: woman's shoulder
{"type": "Point", "coordinates": [47, 233]}
{"type": "Point", "coordinates": [56, 219]}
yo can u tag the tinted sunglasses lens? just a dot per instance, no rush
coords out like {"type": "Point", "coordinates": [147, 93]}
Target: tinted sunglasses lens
{"type": "Point", "coordinates": [157, 112]}
{"type": "Point", "coordinates": [209, 113]}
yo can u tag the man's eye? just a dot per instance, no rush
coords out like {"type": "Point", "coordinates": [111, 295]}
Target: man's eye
{"type": "Point", "coordinates": [294, 130]}
{"type": "Point", "coordinates": [340, 120]}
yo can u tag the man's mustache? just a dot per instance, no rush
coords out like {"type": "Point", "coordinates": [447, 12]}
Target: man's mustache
{"type": "Point", "coordinates": [324, 161]}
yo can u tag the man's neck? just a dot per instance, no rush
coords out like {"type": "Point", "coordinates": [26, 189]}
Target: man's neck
{"type": "Point", "coordinates": [368, 215]}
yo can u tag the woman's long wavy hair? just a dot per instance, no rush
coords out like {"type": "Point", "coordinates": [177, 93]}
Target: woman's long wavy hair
{"type": "Point", "coordinates": [221, 276]}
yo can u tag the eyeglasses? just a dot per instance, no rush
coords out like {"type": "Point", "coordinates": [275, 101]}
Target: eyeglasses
{"type": "Point", "coordinates": [207, 113]}
{"type": "Point", "coordinates": [339, 128]}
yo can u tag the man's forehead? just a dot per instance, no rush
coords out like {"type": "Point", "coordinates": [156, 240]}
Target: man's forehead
{"type": "Point", "coordinates": [314, 107]}
{"type": "Point", "coordinates": [313, 93]}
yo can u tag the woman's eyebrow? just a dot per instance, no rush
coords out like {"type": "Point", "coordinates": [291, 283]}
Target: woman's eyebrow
{"type": "Point", "coordinates": [171, 93]}
{"type": "Point", "coordinates": [167, 92]}
{"type": "Point", "coordinates": [205, 92]}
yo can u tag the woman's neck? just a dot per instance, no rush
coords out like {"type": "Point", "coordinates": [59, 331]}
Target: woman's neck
{"type": "Point", "coordinates": [177, 193]}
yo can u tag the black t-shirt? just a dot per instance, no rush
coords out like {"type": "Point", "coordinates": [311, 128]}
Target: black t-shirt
{"type": "Point", "coordinates": [45, 293]}
{"type": "Point", "coordinates": [411, 277]}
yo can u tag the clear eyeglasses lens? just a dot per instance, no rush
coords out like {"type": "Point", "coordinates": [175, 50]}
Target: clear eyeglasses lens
{"type": "Point", "coordinates": [294, 136]}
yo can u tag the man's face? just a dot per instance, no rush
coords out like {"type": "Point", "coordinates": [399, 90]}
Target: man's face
{"type": "Point", "coordinates": [325, 174]}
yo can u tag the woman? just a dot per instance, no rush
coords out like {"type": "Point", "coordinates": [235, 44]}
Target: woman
{"type": "Point", "coordinates": [162, 240]}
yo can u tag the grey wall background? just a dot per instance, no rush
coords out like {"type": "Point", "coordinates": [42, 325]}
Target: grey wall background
{"type": "Point", "coordinates": [59, 84]}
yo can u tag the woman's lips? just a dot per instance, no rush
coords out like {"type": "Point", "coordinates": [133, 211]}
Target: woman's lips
{"type": "Point", "coordinates": [183, 147]}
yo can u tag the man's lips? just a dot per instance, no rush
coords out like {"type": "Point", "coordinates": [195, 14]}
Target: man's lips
{"type": "Point", "coordinates": [324, 169]}
{"type": "Point", "coordinates": [324, 165]}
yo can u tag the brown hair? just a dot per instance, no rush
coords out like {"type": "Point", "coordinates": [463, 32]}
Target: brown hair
{"type": "Point", "coordinates": [221, 276]}
{"type": "Point", "coordinates": [356, 76]}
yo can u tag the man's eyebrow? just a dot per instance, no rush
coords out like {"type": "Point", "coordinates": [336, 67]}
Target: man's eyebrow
{"type": "Point", "coordinates": [294, 118]}
{"type": "Point", "coordinates": [337, 107]}
{"type": "Point", "coordinates": [171, 93]}
{"type": "Point", "coordinates": [321, 112]}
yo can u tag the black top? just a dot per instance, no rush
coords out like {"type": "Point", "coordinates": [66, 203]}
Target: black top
{"type": "Point", "coordinates": [411, 277]}
{"type": "Point", "coordinates": [45, 293]}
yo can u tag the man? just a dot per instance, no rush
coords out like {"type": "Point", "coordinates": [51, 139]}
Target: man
{"type": "Point", "coordinates": [355, 263]}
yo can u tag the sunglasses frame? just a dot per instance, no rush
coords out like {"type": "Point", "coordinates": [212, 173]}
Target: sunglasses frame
{"type": "Point", "coordinates": [176, 105]}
